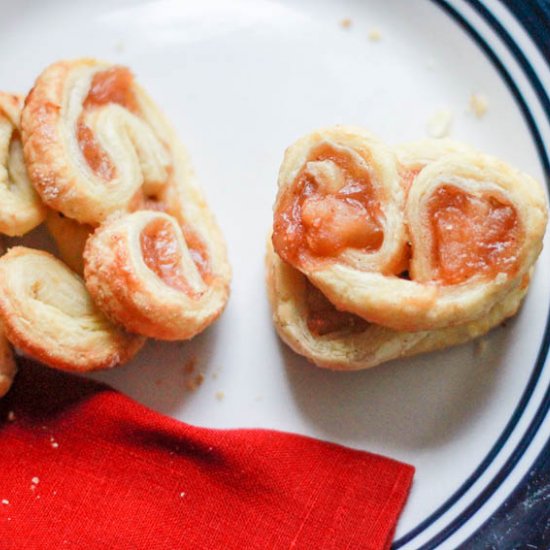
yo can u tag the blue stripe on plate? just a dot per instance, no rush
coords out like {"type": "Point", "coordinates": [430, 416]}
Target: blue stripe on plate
{"type": "Point", "coordinates": [534, 15]}
{"type": "Point", "coordinates": [543, 351]}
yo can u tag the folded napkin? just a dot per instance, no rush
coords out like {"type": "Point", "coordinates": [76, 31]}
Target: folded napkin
{"type": "Point", "coordinates": [83, 466]}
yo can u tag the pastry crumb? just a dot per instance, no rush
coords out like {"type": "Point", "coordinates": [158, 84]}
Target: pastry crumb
{"type": "Point", "coordinates": [220, 395]}
{"type": "Point", "coordinates": [5, 501]}
{"type": "Point", "coordinates": [195, 382]}
{"type": "Point", "coordinates": [182, 494]}
{"type": "Point", "coordinates": [190, 365]}
{"type": "Point", "coordinates": [374, 35]}
{"type": "Point", "coordinates": [35, 480]}
{"type": "Point", "coordinates": [479, 105]}
{"type": "Point", "coordinates": [11, 416]}
{"type": "Point", "coordinates": [439, 124]}
{"type": "Point", "coordinates": [346, 23]}
{"type": "Point", "coordinates": [215, 375]}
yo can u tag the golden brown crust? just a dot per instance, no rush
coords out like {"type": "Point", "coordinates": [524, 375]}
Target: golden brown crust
{"type": "Point", "coordinates": [134, 295]}
{"type": "Point", "coordinates": [48, 314]}
{"type": "Point", "coordinates": [353, 350]}
{"type": "Point", "coordinates": [20, 207]}
{"type": "Point", "coordinates": [70, 238]}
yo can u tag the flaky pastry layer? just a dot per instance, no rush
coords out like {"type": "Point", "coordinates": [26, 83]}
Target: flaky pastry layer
{"type": "Point", "coordinates": [20, 206]}
{"type": "Point", "coordinates": [48, 314]}
{"type": "Point", "coordinates": [376, 344]}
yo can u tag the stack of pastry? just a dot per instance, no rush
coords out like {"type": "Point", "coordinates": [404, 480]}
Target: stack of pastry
{"type": "Point", "coordinates": [141, 256]}
{"type": "Point", "coordinates": [379, 253]}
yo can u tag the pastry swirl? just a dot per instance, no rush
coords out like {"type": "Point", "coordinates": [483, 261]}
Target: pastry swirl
{"type": "Point", "coordinates": [141, 272]}
{"type": "Point", "coordinates": [340, 201]}
{"type": "Point", "coordinates": [92, 139]}
{"type": "Point", "coordinates": [48, 314]}
{"type": "Point", "coordinates": [20, 206]}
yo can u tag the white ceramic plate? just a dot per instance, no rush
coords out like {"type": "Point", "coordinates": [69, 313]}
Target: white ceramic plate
{"type": "Point", "coordinates": [241, 80]}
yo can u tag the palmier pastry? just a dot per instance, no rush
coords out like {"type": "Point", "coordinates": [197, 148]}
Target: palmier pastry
{"type": "Point", "coordinates": [313, 327]}
{"type": "Point", "coordinates": [70, 238]}
{"type": "Point", "coordinates": [474, 224]}
{"type": "Point", "coordinates": [48, 314]}
{"type": "Point", "coordinates": [471, 229]}
{"type": "Point", "coordinates": [141, 272]}
{"type": "Point", "coordinates": [20, 206]}
{"type": "Point", "coordinates": [96, 144]}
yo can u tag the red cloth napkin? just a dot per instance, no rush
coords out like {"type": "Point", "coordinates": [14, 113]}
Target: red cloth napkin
{"type": "Point", "coordinates": [83, 466]}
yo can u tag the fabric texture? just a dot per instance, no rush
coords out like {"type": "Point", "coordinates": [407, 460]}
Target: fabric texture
{"type": "Point", "coordinates": [86, 467]}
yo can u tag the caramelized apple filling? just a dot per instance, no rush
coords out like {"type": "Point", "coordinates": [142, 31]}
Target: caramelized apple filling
{"type": "Point", "coordinates": [471, 235]}
{"type": "Point", "coordinates": [113, 85]}
{"type": "Point", "coordinates": [162, 254]}
{"type": "Point", "coordinates": [330, 207]}
{"type": "Point", "coordinates": [323, 318]}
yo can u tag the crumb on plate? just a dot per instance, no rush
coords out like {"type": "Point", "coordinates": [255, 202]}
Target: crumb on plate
{"type": "Point", "coordinates": [346, 23]}
{"type": "Point", "coordinates": [479, 105]}
{"type": "Point", "coordinates": [220, 395]}
{"type": "Point", "coordinates": [190, 365]}
{"type": "Point", "coordinates": [375, 35]}
{"type": "Point", "coordinates": [195, 382]}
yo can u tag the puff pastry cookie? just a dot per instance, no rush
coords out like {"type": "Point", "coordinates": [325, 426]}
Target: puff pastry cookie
{"type": "Point", "coordinates": [70, 238]}
{"type": "Point", "coordinates": [464, 229]}
{"type": "Point", "coordinates": [49, 314]}
{"type": "Point", "coordinates": [141, 272]}
{"type": "Point", "coordinates": [20, 207]}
